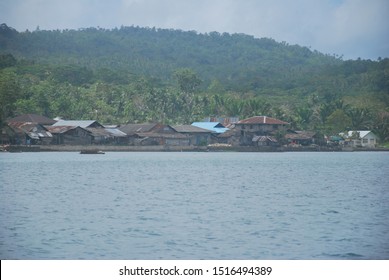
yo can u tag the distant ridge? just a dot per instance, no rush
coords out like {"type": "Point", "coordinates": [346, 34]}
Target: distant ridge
{"type": "Point", "coordinates": [229, 58]}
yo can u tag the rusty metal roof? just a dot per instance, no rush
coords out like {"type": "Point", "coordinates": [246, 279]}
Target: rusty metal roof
{"type": "Point", "coordinates": [262, 120]}
{"type": "Point", "coordinates": [60, 129]}
{"type": "Point", "coordinates": [80, 123]}
{"type": "Point", "coordinates": [33, 130]}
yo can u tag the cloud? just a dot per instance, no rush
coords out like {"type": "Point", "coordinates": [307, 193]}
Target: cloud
{"type": "Point", "coordinates": [354, 28]}
{"type": "Point", "coordinates": [358, 28]}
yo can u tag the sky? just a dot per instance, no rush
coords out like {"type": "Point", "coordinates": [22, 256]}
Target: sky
{"type": "Point", "coordinates": [349, 28]}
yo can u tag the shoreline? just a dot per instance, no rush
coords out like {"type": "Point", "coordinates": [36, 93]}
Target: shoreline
{"type": "Point", "coordinates": [106, 148]}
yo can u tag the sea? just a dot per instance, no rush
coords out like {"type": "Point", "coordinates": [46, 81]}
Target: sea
{"type": "Point", "coordinates": [194, 206]}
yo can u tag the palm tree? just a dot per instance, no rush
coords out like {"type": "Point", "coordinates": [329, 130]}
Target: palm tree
{"type": "Point", "coordinates": [382, 126]}
{"type": "Point", "coordinates": [361, 118]}
{"type": "Point", "coordinates": [303, 117]}
{"type": "Point", "coordinates": [324, 111]}
{"type": "Point", "coordinates": [234, 107]}
{"type": "Point", "coordinates": [256, 107]}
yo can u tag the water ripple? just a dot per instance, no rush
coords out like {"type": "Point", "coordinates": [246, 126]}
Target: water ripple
{"type": "Point", "coordinates": [194, 206]}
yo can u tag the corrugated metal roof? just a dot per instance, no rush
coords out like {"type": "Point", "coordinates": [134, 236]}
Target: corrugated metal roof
{"type": "Point", "coordinates": [116, 132]}
{"type": "Point", "coordinates": [264, 139]}
{"type": "Point", "coordinates": [33, 135]}
{"type": "Point", "coordinates": [261, 120]}
{"type": "Point", "coordinates": [190, 129]}
{"type": "Point", "coordinates": [80, 123]}
{"type": "Point", "coordinates": [34, 130]}
{"type": "Point", "coordinates": [136, 128]}
{"type": "Point", "coordinates": [98, 132]}
{"type": "Point", "coordinates": [362, 133]}
{"type": "Point", "coordinates": [212, 126]}
{"type": "Point", "coordinates": [60, 129]}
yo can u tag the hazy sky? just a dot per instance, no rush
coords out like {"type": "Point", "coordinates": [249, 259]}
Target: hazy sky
{"type": "Point", "coordinates": [352, 28]}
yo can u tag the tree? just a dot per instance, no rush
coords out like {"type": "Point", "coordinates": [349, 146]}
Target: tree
{"type": "Point", "coordinates": [382, 126]}
{"type": "Point", "coordinates": [234, 106]}
{"type": "Point", "coordinates": [7, 60]}
{"type": "Point", "coordinates": [9, 94]}
{"type": "Point", "coordinates": [361, 118]}
{"type": "Point", "coordinates": [324, 111]}
{"type": "Point", "coordinates": [187, 80]}
{"type": "Point", "coordinates": [216, 87]}
{"type": "Point", "coordinates": [72, 74]}
{"type": "Point", "coordinates": [338, 121]}
{"type": "Point", "coordinates": [256, 107]}
{"type": "Point", "coordinates": [303, 117]}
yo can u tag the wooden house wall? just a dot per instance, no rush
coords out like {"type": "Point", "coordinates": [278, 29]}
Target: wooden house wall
{"type": "Point", "coordinates": [248, 131]}
{"type": "Point", "coordinates": [76, 136]}
{"type": "Point", "coordinates": [197, 139]}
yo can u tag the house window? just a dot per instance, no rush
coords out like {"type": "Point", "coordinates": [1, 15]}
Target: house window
{"type": "Point", "coordinates": [365, 141]}
{"type": "Point", "coordinates": [251, 126]}
{"type": "Point", "coordinates": [243, 127]}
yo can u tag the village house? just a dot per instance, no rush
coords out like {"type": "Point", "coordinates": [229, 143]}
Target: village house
{"type": "Point", "coordinates": [97, 132]}
{"type": "Point", "coordinates": [227, 138]}
{"type": "Point", "coordinates": [217, 130]}
{"type": "Point", "coordinates": [26, 129]}
{"type": "Point", "coordinates": [215, 127]}
{"type": "Point", "coordinates": [197, 136]}
{"type": "Point", "coordinates": [118, 137]}
{"type": "Point", "coordinates": [70, 135]}
{"type": "Point", "coordinates": [248, 129]}
{"type": "Point", "coordinates": [265, 141]}
{"type": "Point", "coordinates": [26, 133]}
{"type": "Point", "coordinates": [361, 138]}
{"type": "Point", "coordinates": [303, 138]}
{"type": "Point", "coordinates": [154, 134]}
{"type": "Point", "coordinates": [80, 123]}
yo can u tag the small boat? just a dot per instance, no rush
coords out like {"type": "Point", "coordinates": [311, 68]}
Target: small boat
{"type": "Point", "coordinates": [92, 152]}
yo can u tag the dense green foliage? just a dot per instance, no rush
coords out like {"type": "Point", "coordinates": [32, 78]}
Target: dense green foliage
{"type": "Point", "coordinates": [135, 74]}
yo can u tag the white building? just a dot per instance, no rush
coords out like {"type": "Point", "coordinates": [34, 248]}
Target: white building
{"type": "Point", "coordinates": [362, 138]}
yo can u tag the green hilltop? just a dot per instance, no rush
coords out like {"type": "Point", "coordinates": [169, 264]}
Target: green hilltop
{"type": "Point", "coordinates": [135, 74]}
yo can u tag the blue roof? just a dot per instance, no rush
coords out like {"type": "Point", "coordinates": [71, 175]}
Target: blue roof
{"type": "Point", "coordinates": [215, 127]}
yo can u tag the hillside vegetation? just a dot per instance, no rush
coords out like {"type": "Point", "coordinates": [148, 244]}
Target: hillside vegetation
{"type": "Point", "coordinates": [134, 74]}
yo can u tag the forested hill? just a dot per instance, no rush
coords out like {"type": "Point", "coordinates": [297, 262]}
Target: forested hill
{"type": "Point", "coordinates": [134, 74]}
{"type": "Point", "coordinates": [234, 60]}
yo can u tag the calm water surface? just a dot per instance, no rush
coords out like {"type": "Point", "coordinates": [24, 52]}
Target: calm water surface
{"type": "Point", "coordinates": [194, 206]}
